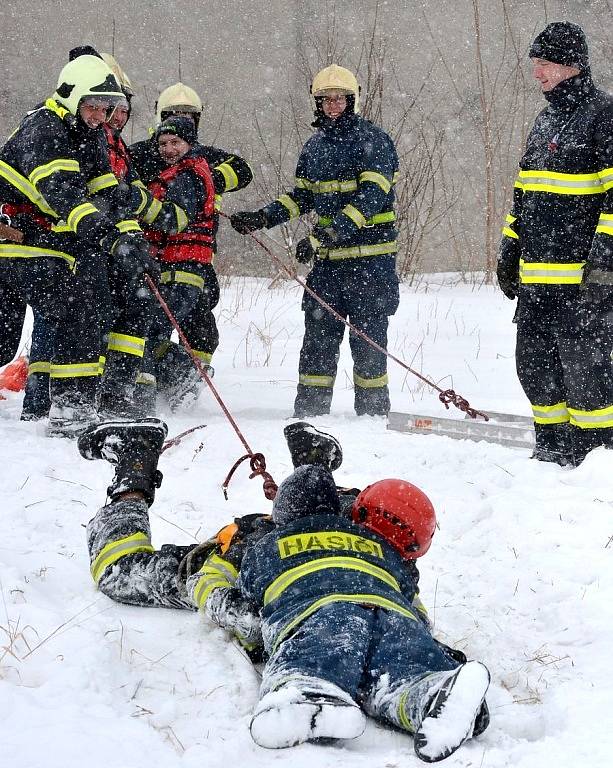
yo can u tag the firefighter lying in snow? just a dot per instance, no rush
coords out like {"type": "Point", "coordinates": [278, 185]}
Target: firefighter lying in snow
{"type": "Point", "coordinates": [327, 593]}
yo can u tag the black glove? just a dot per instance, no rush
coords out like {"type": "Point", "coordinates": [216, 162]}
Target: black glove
{"type": "Point", "coordinates": [132, 260]}
{"type": "Point", "coordinates": [508, 279]}
{"type": "Point", "coordinates": [305, 253]}
{"type": "Point", "coordinates": [595, 300]}
{"type": "Point", "coordinates": [327, 236]}
{"type": "Point", "coordinates": [248, 221]}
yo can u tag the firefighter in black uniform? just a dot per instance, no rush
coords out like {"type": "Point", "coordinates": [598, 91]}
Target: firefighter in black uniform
{"type": "Point", "coordinates": [346, 173]}
{"type": "Point", "coordinates": [556, 254]}
{"type": "Point", "coordinates": [36, 402]}
{"type": "Point", "coordinates": [53, 172]}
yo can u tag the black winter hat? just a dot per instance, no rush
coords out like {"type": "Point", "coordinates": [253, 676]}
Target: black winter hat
{"type": "Point", "coordinates": [562, 43]}
{"type": "Point", "coordinates": [180, 126]}
{"type": "Point", "coordinates": [310, 490]}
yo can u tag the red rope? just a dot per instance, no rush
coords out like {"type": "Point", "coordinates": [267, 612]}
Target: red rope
{"type": "Point", "coordinates": [257, 460]}
{"type": "Point", "coordinates": [446, 396]}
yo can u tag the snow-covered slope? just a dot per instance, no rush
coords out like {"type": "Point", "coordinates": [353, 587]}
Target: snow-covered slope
{"type": "Point", "coordinates": [519, 574]}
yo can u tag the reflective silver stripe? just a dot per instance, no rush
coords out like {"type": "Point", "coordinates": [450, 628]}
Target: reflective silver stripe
{"type": "Point", "coordinates": [147, 379]}
{"type": "Point", "coordinates": [596, 419]}
{"type": "Point", "coordinates": [74, 370]}
{"type": "Point", "coordinates": [25, 187]}
{"type": "Point", "coordinates": [316, 381]}
{"type": "Point", "coordinates": [179, 276]}
{"type": "Point", "coordinates": [605, 224]}
{"type": "Point", "coordinates": [606, 177]}
{"type": "Point", "coordinates": [379, 218]}
{"type": "Point", "coordinates": [16, 251]}
{"type": "Point", "coordinates": [229, 175]}
{"type": "Point", "coordinates": [154, 208]}
{"type": "Point", "coordinates": [61, 164]}
{"type": "Point", "coordinates": [353, 252]}
{"type": "Point", "coordinates": [561, 183]}
{"type": "Point", "coordinates": [182, 220]}
{"type": "Point", "coordinates": [290, 204]}
{"type": "Point", "coordinates": [130, 345]}
{"type": "Point", "coordinates": [550, 273]}
{"type": "Point", "coordinates": [40, 366]}
{"type": "Point", "coordinates": [376, 178]}
{"type": "Point", "coordinates": [550, 414]}
{"type": "Point", "coordinates": [101, 182]}
{"type": "Point", "coordinates": [138, 542]}
{"type": "Point", "coordinates": [327, 187]}
{"type": "Point", "coordinates": [79, 212]}
{"type": "Point", "coordinates": [356, 216]}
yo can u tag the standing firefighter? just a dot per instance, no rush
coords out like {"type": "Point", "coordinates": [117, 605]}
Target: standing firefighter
{"type": "Point", "coordinates": [557, 253]}
{"type": "Point", "coordinates": [52, 171]}
{"type": "Point", "coordinates": [346, 173]}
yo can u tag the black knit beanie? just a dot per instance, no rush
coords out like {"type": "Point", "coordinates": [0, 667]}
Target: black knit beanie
{"type": "Point", "coordinates": [183, 127]}
{"type": "Point", "coordinates": [562, 43]}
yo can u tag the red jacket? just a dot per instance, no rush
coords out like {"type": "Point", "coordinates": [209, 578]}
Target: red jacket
{"type": "Point", "coordinates": [196, 242]}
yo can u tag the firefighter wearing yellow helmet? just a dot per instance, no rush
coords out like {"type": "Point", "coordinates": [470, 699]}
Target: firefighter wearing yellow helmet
{"type": "Point", "coordinates": [52, 171]}
{"type": "Point", "coordinates": [346, 174]}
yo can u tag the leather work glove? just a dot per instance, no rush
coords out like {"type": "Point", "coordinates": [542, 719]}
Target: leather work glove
{"type": "Point", "coordinates": [248, 221]}
{"type": "Point", "coordinates": [508, 278]}
{"type": "Point", "coordinates": [305, 252]}
{"type": "Point", "coordinates": [132, 260]}
{"type": "Point", "coordinates": [595, 299]}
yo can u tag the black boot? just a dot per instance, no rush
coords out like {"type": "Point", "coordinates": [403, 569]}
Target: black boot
{"type": "Point", "coordinates": [116, 391]}
{"type": "Point", "coordinates": [312, 401]}
{"type": "Point", "coordinates": [177, 377]}
{"type": "Point", "coordinates": [553, 444]}
{"type": "Point", "coordinates": [134, 448]}
{"type": "Point", "coordinates": [308, 445]}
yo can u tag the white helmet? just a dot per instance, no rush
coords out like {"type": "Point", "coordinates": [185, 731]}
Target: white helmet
{"type": "Point", "coordinates": [86, 76]}
{"type": "Point", "coordinates": [335, 78]}
{"type": "Point", "coordinates": [178, 98]}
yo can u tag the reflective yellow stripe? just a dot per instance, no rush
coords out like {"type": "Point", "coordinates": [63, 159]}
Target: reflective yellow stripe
{"type": "Point", "coordinates": [78, 213]}
{"type": "Point", "coordinates": [16, 251]}
{"type": "Point", "coordinates": [130, 345]}
{"type": "Point", "coordinates": [287, 202]}
{"type": "Point", "coordinates": [182, 220]}
{"type": "Point", "coordinates": [218, 199]}
{"type": "Point", "coordinates": [509, 233]}
{"type": "Point", "coordinates": [229, 175]}
{"type": "Point", "coordinates": [606, 178]}
{"type": "Point", "coordinates": [61, 227]}
{"type": "Point", "coordinates": [550, 274]}
{"type": "Point", "coordinates": [605, 224]}
{"type": "Point", "coordinates": [53, 106]}
{"type": "Point", "coordinates": [327, 187]}
{"type": "Point", "coordinates": [382, 602]}
{"type": "Point", "coordinates": [61, 164]}
{"type": "Point", "coordinates": [378, 381]}
{"type": "Point", "coordinates": [315, 381]}
{"type": "Point", "coordinates": [599, 418]}
{"type": "Point", "coordinates": [179, 276]}
{"type": "Point", "coordinates": [101, 364]}
{"type": "Point", "coordinates": [379, 218]}
{"type": "Point", "coordinates": [112, 552]}
{"type": "Point", "coordinates": [376, 178]}
{"type": "Point", "coordinates": [561, 183]}
{"type": "Point", "coordinates": [353, 252]}
{"type": "Point", "coordinates": [40, 366]}
{"type": "Point", "coordinates": [206, 357]}
{"type": "Point", "coordinates": [154, 208]}
{"type": "Point", "coordinates": [128, 225]}
{"type": "Point", "coordinates": [138, 183]}
{"type": "Point", "coordinates": [22, 185]}
{"type": "Point", "coordinates": [144, 198]}
{"type": "Point", "coordinates": [550, 414]}
{"type": "Point", "coordinates": [216, 572]}
{"type": "Point", "coordinates": [510, 219]}
{"type": "Point", "coordinates": [404, 719]}
{"type": "Point", "coordinates": [286, 579]}
{"type": "Point", "coordinates": [355, 215]}
{"type": "Point", "coordinates": [101, 182]}
{"type": "Point", "coordinates": [74, 370]}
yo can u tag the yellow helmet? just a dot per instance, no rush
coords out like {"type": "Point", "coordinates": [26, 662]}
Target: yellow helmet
{"type": "Point", "coordinates": [86, 76]}
{"type": "Point", "coordinates": [178, 98]}
{"type": "Point", "coordinates": [335, 78]}
{"type": "Point", "coordinates": [122, 78]}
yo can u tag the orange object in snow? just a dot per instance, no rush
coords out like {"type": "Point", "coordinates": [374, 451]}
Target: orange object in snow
{"type": "Point", "coordinates": [13, 376]}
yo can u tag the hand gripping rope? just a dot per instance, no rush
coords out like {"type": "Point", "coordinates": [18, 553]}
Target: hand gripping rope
{"type": "Point", "coordinates": [257, 462]}
{"type": "Point", "coordinates": [446, 396]}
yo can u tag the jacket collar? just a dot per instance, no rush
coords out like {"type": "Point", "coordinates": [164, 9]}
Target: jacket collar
{"type": "Point", "coordinates": [568, 94]}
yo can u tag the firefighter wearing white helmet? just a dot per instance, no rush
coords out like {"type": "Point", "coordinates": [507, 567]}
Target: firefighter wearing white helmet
{"type": "Point", "coordinates": [51, 169]}
{"type": "Point", "coordinates": [346, 173]}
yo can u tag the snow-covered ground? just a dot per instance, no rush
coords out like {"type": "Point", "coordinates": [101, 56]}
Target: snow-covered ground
{"type": "Point", "coordinates": [519, 574]}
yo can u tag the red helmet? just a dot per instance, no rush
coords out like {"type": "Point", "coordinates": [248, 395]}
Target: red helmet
{"type": "Point", "coordinates": [399, 512]}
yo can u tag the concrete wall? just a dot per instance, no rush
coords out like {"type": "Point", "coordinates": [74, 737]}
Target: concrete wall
{"type": "Point", "coordinates": [247, 60]}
